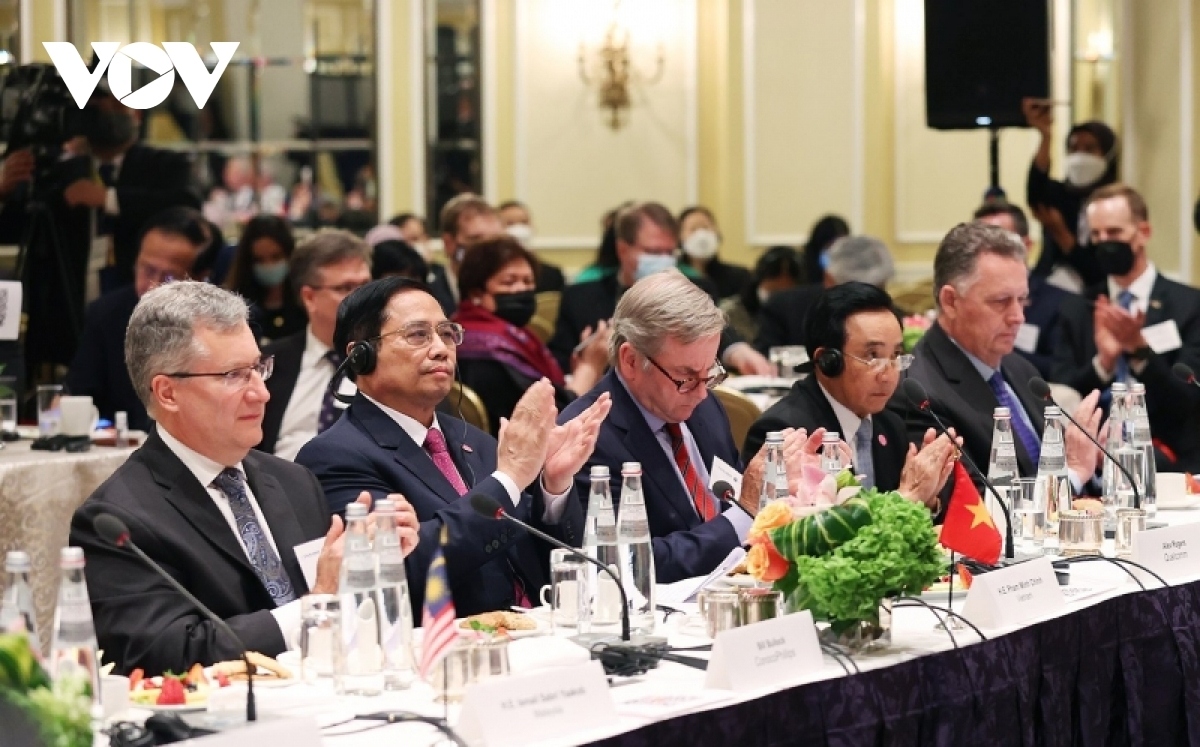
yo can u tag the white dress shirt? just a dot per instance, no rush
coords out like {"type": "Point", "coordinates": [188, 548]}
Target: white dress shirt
{"type": "Point", "coordinates": [205, 470]}
{"type": "Point", "coordinates": [848, 421]}
{"type": "Point", "coordinates": [299, 423]}
{"type": "Point", "coordinates": [555, 504]}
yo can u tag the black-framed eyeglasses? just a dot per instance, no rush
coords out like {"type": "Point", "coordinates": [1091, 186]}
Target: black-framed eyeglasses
{"type": "Point", "coordinates": [234, 378]}
{"type": "Point", "coordinates": [900, 362]}
{"type": "Point", "coordinates": [719, 374]}
{"type": "Point", "coordinates": [420, 334]}
{"type": "Point", "coordinates": [342, 289]}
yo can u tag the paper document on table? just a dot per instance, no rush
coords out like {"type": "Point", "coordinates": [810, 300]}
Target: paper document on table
{"type": "Point", "coordinates": [662, 705]}
{"type": "Point", "coordinates": [682, 592]}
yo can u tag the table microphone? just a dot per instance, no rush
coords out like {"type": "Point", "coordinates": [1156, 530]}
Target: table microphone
{"type": "Point", "coordinates": [725, 492]}
{"type": "Point", "coordinates": [1185, 372]}
{"type": "Point", "coordinates": [113, 530]}
{"type": "Point", "coordinates": [487, 506]}
{"type": "Point", "coordinates": [1041, 390]}
{"type": "Point", "coordinates": [920, 399]}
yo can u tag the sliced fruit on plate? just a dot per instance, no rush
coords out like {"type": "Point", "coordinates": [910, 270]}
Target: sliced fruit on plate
{"type": "Point", "coordinates": [172, 692]}
{"type": "Point", "coordinates": [1191, 482]}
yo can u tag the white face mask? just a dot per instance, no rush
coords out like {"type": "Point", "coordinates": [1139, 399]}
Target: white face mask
{"type": "Point", "coordinates": [763, 295]}
{"type": "Point", "coordinates": [522, 232]}
{"type": "Point", "coordinates": [1085, 169]}
{"type": "Point", "coordinates": [701, 244]}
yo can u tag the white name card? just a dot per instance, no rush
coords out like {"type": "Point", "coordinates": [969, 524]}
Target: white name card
{"type": "Point", "coordinates": [545, 704]}
{"type": "Point", "coordinates": [764, 654]}
{"type": "Point", "coordinates": [1015, 595]}
{"type": "Point", "coordinates": [1171, 552]}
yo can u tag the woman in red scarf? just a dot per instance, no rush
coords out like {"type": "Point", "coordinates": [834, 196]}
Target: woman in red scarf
{"type": "Point", "coordinates": [499, 356]}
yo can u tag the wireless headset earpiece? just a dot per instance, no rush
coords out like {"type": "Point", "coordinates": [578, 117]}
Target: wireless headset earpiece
{"type": "Point", "coordinates": [830, 362]}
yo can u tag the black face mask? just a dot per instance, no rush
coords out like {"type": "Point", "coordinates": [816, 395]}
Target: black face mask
{"type": "Point", "coordinates": [516, 308]}
{"type": "Point", "coordinates": [111, 129]}
{"type": "Point", "coordinates": [1114, 257]}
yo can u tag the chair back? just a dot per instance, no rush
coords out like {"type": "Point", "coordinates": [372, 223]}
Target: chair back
{"type": "Point", "coordinates": [463, 398]}
{"type": "Point", "coordinates": [741, 410]}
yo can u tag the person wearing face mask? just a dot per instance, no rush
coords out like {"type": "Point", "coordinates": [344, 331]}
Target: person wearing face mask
{"type": "Point", "coordinates": [1134, 326]}
{"type": "Point", "coordinates": [514, 214]}
{"type": "Point", "coordinates": [701, 238]}
{"type": "Point", "coordinates": [259, 275]}
{"type": "Point", "coordinates": [1067, 260]}
{"type": "Point", "coordinates": [778, 269]}
{"type": "Point", "coordinates": [499, 357]}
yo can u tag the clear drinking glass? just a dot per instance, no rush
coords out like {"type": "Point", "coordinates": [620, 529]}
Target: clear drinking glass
{"type": "Point", "coordinates": [8, 414]}
{"type": "Point", "coordinates": [49, 413]}
{"type": "Point", "coordinates": [786, 358]}
{"type": "Point", "coordinates": [320, 637]}
{"type": "Point", "coordinates": [568, 577]}
{"type": "Point", "coordinates": [1028, 513]}
{"type": "Point", "coordinates": [452, 674]}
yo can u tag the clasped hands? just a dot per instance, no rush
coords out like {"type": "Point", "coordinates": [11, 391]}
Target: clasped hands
{"type": "Point", "coordinates": [1117, 331]}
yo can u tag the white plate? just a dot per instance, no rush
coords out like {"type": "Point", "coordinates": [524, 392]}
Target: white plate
{"type": "Point", "coordinates": [185, 708]}
{"type": "Point", "coordinates": [742, 580]}
{"type": "Point", "coordinates": [543, 628]}
{"type": "Point", "coordinates": [1179, 502]}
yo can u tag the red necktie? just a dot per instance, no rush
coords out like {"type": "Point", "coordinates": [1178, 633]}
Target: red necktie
{"type": "Point", "coordinates": [435, 444]}
{"type": "Point", "coordinates": [691, 478]}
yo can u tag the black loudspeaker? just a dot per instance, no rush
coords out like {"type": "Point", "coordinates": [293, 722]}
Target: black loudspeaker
{"type": "Point", "coordinates": [981, 58]}
{"type": "Point", "coordinates": [830, 362]}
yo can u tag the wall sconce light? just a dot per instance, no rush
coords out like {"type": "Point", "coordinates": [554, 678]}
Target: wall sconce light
{"type": "Point", "coordinates": [612, 71]}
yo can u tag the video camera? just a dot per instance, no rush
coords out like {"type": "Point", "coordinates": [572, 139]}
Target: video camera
{"type": "Point", "coordinates": [38, 112]}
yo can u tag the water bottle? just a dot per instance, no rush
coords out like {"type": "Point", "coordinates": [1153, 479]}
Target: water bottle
{"type": "Point", "coordinates": [831, 455]}
{"type": "Point", "coordinates": [358, 586]}
{"type": "Point", "coordinates": [1053, 485]}
{"type": "Point", "coordinates": [1109, 473]}
{"type": "Point", "coordinates": [774, 480]}
{"type": "Point", "coordinates": [1002, 468]}
{"type": "Point", "coordinates": [1129, 456]}
{"type": "Point", "coordinates": [1143, 442]}
{"type": "Point", "coordinates": [73, 653]}
{"type": "Point", "coordinates": [635, 550]}
{"type": "Point", "coordinates": [18, 597]}
{"type": "Point", "coordinates": [600, 543]}
{"type": "Point", "coordinates": [394, 602]}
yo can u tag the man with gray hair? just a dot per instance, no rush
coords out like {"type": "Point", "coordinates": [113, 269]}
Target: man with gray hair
{"type": "Point", "coordinates": [663, 358]}
{"type": "Point", "coordinates": [325, 269]}
{"type": "Point", "coordinates": [225, 521]}
{"type": "Point", "coordinates": [859, 259]}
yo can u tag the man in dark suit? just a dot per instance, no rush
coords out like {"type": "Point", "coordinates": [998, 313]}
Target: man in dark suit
{"type": "Point", "coordinates": [221, 519]}
{"type": "Point", "coordinates": [1135, 327]}
{"type": "Point", "coordinates": [647, 238]}
{"type": "Point", "coordinates": [171, 241]}
{"type": "Point", "coordinates": [401, 351]}
{"type": "Point", "coordinates": [856, 343]}
{"type": "Point", "coordinates": [325, 269]}
{"type": "Point", "coordinates": [966, 360]}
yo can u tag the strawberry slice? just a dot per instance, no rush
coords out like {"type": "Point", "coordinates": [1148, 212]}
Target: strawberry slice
{"type": "Point", "coordinates": [172, 692]}
{"type": "Point", "coordinates": [135, 678]}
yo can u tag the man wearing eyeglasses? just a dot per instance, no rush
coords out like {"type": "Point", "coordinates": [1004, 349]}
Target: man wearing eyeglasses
{"type": "Point", "coordinates": [170, 243]}
{"type": "Point", "coordinates": [402, 354]}
{"type": "Point", "coordinates": [225, 521]}
{"type": "Point", "coordinates": [325, 269]}
{"type": "Point", "coordinates": [855, 341]}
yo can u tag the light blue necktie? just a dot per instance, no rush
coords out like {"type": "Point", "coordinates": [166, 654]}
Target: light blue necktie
{"type": "Point", "coordinates": [262, 556]}
{"type": "Point", "coordinates": [863, 462]}
{"type": "Point", "coordinates": [1125, 301]}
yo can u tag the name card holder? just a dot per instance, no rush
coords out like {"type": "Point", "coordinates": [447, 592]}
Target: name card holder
{"type": "Point", "coordinates": [1171, 552]}
{"type": "Point", "coordinates": [1013, 596]}
{"type": "Point", "coordinates": [546, 704]}
{"type": "Point", "coordinates": [764, 654]}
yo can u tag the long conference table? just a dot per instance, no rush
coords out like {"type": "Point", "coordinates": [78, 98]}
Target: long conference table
{"type": "Point", "coordinates": [1120, 666]}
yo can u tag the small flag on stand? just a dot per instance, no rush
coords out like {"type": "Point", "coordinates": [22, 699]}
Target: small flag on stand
{"type": "Point", "coordinates": [968, 529]}
{"type": "Point", "coordinates": [437, 618]}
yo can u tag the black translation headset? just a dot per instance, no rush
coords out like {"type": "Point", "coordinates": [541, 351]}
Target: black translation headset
{"type": "Point", "coordinates": [830, 362]}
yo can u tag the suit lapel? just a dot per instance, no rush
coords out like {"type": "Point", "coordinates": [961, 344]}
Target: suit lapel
{"type": "Point", "coordinates": [407, 454]}
{"type": "Point", "coordinates": [281, 519]}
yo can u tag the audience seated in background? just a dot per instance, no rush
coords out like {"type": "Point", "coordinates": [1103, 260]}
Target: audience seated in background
{"type": "Point", "coordinates": [500, 358]}
{"type": "Point", "coordinates": [396, 257]}
{"type": "Point", "coordinates": [326, 268]}
{"type": "Point", "coordinates": [647, 238]}
{"type": "Point", "coordinates": [778, 269]}
{"type": "Point", "coordinates": [606, 262]}
{"type": "Point", "coordinates": [171, 241]}
{"type": "Point", "coordinates": [700, 239]}
{"type": "Point", "coordinates": [1135, 325]}
{"type": "Point", "coordinates": [825, 231]}
{"type": "Point", "coordinates": [862, 259]}
{"type": "Point", "coordinates": [518, 223]}
{"type": "Point", "coordinates": [1038, 339]}
{"type": "Point", "coordinates": [412, 231]}
{"type": "Point", "coordinates": [855, 340]}
{"type": "Point", "coordinates": [465, 221]}
{"type": "Point", "coordinates": [221, 519]}
{"type": "Point", "coordinates": [260, 275]}
{"type": "Point", "coordinates": [402, 352]}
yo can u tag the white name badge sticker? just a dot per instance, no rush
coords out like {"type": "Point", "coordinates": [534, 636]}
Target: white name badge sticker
{"type": "Point", "coordinates": [1163, 337]}
{"type": "Point", "coordinates": [764, 654]}
{"type": "Point", "coordinates": [1015, 595]}
{"type": "Point", "coordinates": [547, 704]}
{"type": "Point", "coordinates": [1027, 337]}
{"type": "Point", "coordinates": [1171, 552]}
{"type": "Point", "coordinates": [722, 470]}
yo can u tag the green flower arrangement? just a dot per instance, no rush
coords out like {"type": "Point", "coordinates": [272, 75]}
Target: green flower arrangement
{"type": "Point", "coordinates": [60, 711]}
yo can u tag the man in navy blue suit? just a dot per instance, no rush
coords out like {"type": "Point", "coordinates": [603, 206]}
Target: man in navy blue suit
{"type": "Point", "coordinates": [663, 353]}
{"type": "Point", "coordinates": [401, 353]}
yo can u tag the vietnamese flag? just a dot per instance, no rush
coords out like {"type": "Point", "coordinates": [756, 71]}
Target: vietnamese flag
{"type": "Point", "coordinates": [968, 528]}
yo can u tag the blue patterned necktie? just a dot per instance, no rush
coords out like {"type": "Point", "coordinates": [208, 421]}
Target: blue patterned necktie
{"type": "Point", "coordinates": [864, 463]}
{"type": "Point", "coordinates": [330, 412]}
{"type": "Point", "coordinates": [258, 549]}
{"type": "Point", "coordinates": [1125, 301]}
{"type": "Point", "coordinates": [1028, 439]}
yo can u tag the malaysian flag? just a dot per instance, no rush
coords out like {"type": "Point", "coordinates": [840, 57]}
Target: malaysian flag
{"type": "Point", "coordinates": [437, 619]}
